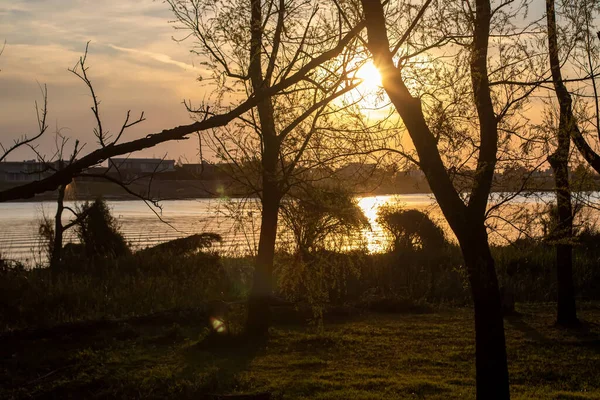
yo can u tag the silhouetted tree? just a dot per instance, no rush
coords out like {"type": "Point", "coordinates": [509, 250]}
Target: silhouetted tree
{"type": "Point", "coordinates": [252, 46]}
{"type": "Point", "coordinates": [581, 51]}
{"type": "Point", "coordinates": [411, 229]}
{"type": "Point", "coordinates": [466, 217]}
{"type": "Point", "coordinates": [559, 161]}
{"type": "Point", "coordinates": [319, 215]}
{"type": "Point", "coordinates": [99, 232]}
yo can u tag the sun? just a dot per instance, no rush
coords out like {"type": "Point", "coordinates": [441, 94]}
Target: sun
{"type": "Point", "coordinates": [370, 76]}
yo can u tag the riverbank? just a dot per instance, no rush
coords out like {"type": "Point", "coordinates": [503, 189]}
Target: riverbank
{"type": "Point", "coordinates": [366, 356]}
{"type": "Point", "coordinates": [185, 189]}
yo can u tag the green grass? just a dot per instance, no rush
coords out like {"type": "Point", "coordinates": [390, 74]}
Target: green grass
{"type": "Point", "coordinates": [372, 356]}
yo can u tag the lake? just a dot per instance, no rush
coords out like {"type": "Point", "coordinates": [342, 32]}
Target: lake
{"type": "Point", "coordinates": [237, 221]}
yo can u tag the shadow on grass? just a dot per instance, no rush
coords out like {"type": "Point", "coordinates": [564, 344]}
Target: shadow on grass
{"type": "Point", "coordinates": [586, 334]}
{"type": "Point", "coordinates": [517, 322]}
{"type": "Point", "coordinates": [223, 358]}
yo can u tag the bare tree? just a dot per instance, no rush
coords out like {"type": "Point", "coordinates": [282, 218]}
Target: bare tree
{"type": "Point", "coordinates": [271, 147]}
{"type": "Point", "coordinates": [468, 28]}
{"type": "Point", "coordinates": [59, 228]}
{"type": "Point", "coordinates": [57, 162]}
{"type": "Point", "coordinates": [559, 160]}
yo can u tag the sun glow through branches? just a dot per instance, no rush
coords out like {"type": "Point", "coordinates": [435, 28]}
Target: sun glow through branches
{"type": "Point", "coordinates": [370, 76]}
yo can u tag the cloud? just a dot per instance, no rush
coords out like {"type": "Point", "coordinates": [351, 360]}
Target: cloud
{"type": "Point", "coordinates": [134, 64]}
{"type": "Point", "coordinates": [163, 58]}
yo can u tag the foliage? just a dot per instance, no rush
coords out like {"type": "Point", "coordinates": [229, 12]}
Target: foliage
{"type": "Point", "coordinates": [110, 288]}
{"type": "Point", "coordinates": [320, 279]}
{"type": "Point", "coordinates": [46, 234]}
{"type": "Point", "coordinates": [322, 218]}
{"type": "Point", "coordinates": [143, 282]}
{"type": "Point", "coordinates": [99, 231]}
{"type": "Point", "coordinates": [411, 229]}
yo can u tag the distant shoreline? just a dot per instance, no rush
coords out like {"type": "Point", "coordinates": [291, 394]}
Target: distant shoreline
{"type": "Point", "coordinates": [191, 189]}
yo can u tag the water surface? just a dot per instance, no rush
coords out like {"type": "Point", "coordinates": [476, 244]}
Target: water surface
{"type": "Point", "coordinates": [235, 219]}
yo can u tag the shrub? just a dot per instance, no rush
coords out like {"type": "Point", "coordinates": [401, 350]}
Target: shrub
{"type": "Point", "coordinates": [411, 229]}
{"type": "Point", "coordinates": [99, 231]}
{"type": "Point", "coordinates": [421, 264]}
{"type": "Point", "coordinates": [324, 222]}
{"type": "Point", "coordinates": [323, 218]}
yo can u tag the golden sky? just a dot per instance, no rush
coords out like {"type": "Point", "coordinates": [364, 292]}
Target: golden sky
{"type": "Point", "coordinates": [134, 64]}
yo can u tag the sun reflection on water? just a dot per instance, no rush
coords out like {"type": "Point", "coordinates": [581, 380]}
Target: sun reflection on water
{"type": "Point", "coordinates": [376, 238]}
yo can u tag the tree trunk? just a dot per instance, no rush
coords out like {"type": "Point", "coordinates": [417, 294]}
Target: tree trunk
{"type": "Point", "coordinates": [57, 245]}
{"type": "Point", "coordinates": [566, 309]}
{"type": "Point", "coordinates": [490, 344]}
{"type": "Point", "coordinates": [258, 304]}
{"type": "Point", "coordinates": [559, 160]}
{"type": "Point", "coordinates": [259, 312]}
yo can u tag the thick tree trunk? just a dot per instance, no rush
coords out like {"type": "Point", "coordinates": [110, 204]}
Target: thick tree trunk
{"type": "Point", "coordinates": [57, 245]}
{"type": "Point", "coordinates": [490, 344]}
{"type": "Point", "coordinates": [559, 160]}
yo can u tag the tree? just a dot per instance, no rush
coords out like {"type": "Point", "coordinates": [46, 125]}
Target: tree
{"type": "Point", "coordinates": [319, 215]}
{"type": "Point", "coordinates": [99, 232]}
{"type": "Point", "coordinates": [59, 229]}
{"type": "Point", "coordinates": [411, 229]}
{"type": "Point", "coordinates": [580, 46]}
{"type": "Point", "coordinates": [466, 217]}
{"type": "Point", "coordinates": [272, 145]}
{"type": "Point", "coordinates": [559, 161]}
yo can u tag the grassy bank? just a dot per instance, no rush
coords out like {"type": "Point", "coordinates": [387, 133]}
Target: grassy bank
{"type": "Point", "coordinates": [143, 283]}
{"type": "Point", "coordinates": [369, 356]}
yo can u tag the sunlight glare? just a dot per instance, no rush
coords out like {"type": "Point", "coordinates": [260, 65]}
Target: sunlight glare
{"type": "Point", "coordinates": [370, 76]}
{"type": "Point", "coordinates": [370, 207]}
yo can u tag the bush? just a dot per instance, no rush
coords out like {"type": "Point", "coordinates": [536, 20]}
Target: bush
{"type": "Point", "coordinates": [411, 229]}
{"type": "Point", "coordinates": [421, 263]}
{"type": "Point", "coordinates": [323, 218]}
{"type": "Point", "coordinates": [99, 231]}
{"type": "Point", "coordinates": [324, 222]}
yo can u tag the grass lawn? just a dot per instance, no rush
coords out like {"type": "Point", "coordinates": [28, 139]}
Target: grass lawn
{"type": "Point", "coordinates": [371, 356]}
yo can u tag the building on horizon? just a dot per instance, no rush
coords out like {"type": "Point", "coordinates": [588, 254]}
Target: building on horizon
{"type": "Point", "coordinates": [28, 170]}
{"type": "Point", "coordinates": [135, 167]}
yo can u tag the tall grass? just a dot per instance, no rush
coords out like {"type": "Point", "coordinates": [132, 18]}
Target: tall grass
{"type": "Point", "coordinates": [146, 283]}
{"type": "Point", "coordinates": [110, 288]}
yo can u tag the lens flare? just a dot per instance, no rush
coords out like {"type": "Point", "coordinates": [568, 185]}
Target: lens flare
{"type": "Point", "coordinates": [218, 325]}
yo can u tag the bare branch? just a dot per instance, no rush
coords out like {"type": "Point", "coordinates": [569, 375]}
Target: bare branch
{"type": "Point", "coordinates": [177, 133]}
{"type": "Point", "coordinates": [42, 127]}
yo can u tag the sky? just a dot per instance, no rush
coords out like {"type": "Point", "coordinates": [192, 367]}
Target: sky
{"type": "Point", "coordinates": [134, 64]}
